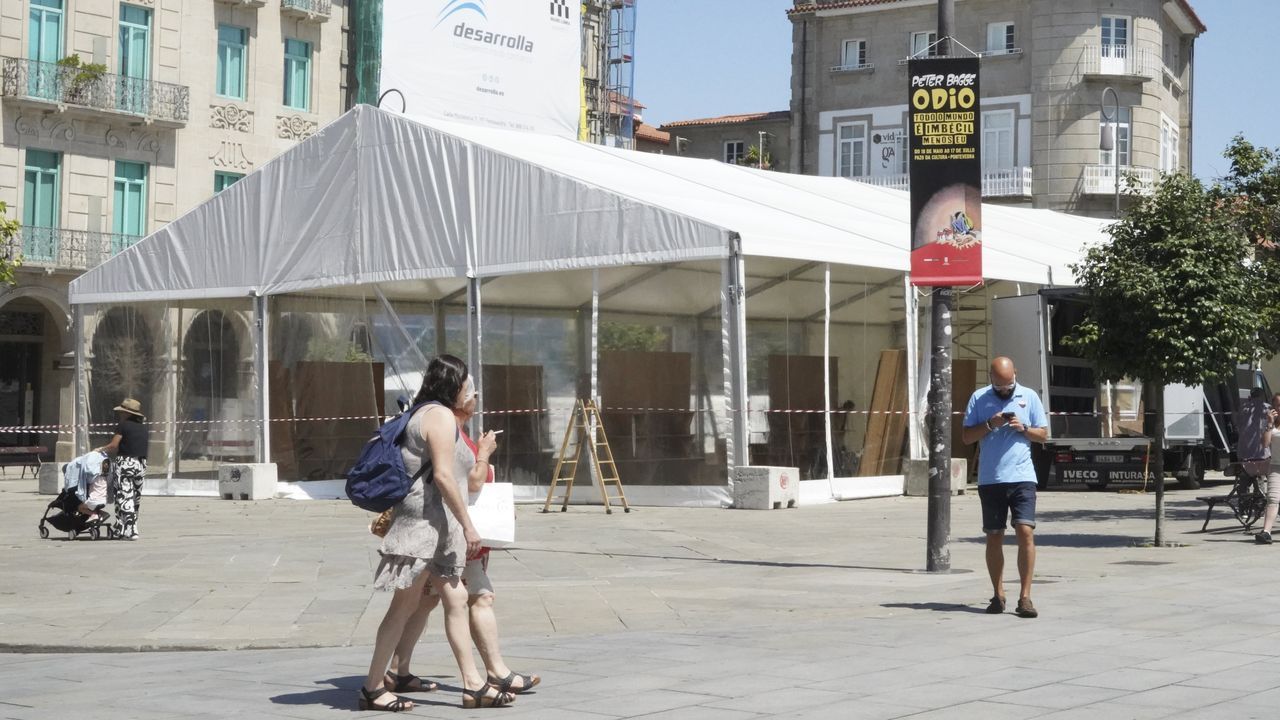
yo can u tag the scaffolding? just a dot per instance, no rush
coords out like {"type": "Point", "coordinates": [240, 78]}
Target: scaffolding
{"type": "Point", "coordinates": [619, 88]}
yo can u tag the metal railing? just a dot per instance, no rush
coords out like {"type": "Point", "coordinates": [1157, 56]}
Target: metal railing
{"type": "Point", "coordinates": [62, 85]}
{"type": "Point", "coordinates": [1121, 61]}
{"type": "Point", "coordinates": [1101, 179]}
{"type": "Point", "coordinates": [864, 67]}
{"type": "Point", "coordinates": [1014, 182]}
{"type": "Point", "coordinates": [63, 249]}
{"type": "Point", "coordinates": [310, 8]}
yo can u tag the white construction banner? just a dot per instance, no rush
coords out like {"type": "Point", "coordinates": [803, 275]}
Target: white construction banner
{"type": "Point", "coordinates": [514, 64]}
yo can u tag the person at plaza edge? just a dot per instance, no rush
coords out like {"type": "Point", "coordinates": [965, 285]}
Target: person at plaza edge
{"type": "Point", "coordinates": [129, 446]}
{"type": "Point", "coordinates": [1272, 440]}
{"type": "Point", "coordinates": [1004, 418]}
{"type": "Point", "coordinates": [429, 540]}
{"type": "Point", "coordinates": [480, 595]}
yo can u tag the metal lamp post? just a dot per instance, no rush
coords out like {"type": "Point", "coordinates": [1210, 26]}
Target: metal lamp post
{"type": "Point", "coordinates": [760, 149]}
{"type": "Point", "coordinates": [1110, 141]}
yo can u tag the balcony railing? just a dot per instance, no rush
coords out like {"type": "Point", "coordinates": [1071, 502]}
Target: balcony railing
{"type": "Point", "coordinates": [1121, 61]}
{"type": "Point", "coordinates": [62, 249]}
{"type": "Point", "coordinates": [1014, 182]}
{"type": "Point", "coordinates": [864, 67]}
{"type": "Point", "coordinates": [1101, 179]}
{"type": "Point", "coordinates": [54, 84]}
{"type": "Point", "coordinates": [318, 10]}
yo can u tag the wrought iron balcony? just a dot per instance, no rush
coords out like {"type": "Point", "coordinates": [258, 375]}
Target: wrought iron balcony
{"type": "Point", "coordinates": [313, 10]}
{"type": "Point", "coordinates": [1101, 179]}
{"type": "Point", "coordinates": [55, 248]}
{"type": "Point", "coordinates": [52, 84]}
{"type": "Point", "coordinates": [1120, 62]}
{"type": "Point", "coordinates": [1014, 182]}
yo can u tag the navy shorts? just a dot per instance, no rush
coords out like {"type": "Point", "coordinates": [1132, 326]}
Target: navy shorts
{"type": "Point", "coordinates": [1000, 500]}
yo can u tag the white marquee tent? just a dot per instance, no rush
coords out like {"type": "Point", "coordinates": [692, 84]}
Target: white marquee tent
{"type": "Point", "coordinates": [391, 210]}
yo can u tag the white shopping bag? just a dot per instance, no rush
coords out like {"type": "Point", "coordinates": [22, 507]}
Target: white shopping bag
{"type": "Point", "coordinates": [493, 512]}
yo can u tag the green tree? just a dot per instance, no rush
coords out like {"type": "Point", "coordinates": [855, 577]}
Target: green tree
{"type": "Point", "coordinates": [629, 336]}
{"type": "Point", "coordinates": [1176, 297]}
{"type": "Point", "coordinates": [10, 257]}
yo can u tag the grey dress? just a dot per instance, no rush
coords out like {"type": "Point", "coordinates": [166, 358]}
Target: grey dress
{"type": "Point", "coordinates": [424, 535]}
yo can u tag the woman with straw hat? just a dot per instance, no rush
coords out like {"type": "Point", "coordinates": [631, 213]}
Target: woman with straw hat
{"type": "Point", "coordinates": [129, 446]}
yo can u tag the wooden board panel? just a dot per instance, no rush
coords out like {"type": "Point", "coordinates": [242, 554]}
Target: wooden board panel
{"type": "Point", "coordinates": [890, 373]}
{"type": "Point", "coordinates": [964, 380]}
{"type": "Point", "coordinates": [896, 428]}
{"type": "Point", "coordinates": [799, 439]}
{"type": "Point", "coordinates": [327, 448]}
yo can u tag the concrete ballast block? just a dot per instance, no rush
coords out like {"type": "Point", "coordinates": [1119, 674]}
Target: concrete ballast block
{"type": "Point", "coordinates": [760, 487]}
{"type": "Point", "coordinates": [917, 476]}
{"type": "Point", "coordinates": [247, 481]}
{"type": "Point", "coordinates": [50, 478]}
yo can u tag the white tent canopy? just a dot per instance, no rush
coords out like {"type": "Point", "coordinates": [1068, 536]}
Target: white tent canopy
{"type": "Point", "coordinates": [377, 197]}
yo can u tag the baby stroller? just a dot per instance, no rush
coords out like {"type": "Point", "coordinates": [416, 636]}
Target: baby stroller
{"type": "Point", "coordinates": [78, 475]}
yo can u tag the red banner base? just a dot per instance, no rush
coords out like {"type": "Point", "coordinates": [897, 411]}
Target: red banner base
{"type": "Point", "coordinates": [942, 264]}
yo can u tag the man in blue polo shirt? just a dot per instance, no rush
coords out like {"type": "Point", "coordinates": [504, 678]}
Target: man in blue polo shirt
{"type": "Point", "coordinates": [1005, 418]}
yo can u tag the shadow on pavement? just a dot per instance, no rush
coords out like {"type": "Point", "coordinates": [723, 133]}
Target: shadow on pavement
{"type": "Point", "coordinates": [759, 563]}
{"type": "Point", "coordinates": [936, 607]}
{"type": "Point", "coordinates": [1072, 541]}
{"type": "Point", "coordinates": [1178, 510]}
{"type": "Point", "coordinates": [345, 694]}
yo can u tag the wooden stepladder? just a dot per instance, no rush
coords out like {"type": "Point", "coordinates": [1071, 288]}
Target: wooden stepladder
{"type": "Point", "coordinates": [586, 429]}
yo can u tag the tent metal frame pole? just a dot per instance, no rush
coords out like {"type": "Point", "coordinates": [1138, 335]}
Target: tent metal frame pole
{"type": "Point", "coordinates": [80, 426]}
{"type": "Point", "coordinates": [174, 377]}
{"type": "Point", "coordinates": [475, 342]}
{"type": "Point", "coordinates": [826, 377]}
{"type": "Point", "coordinates": [595, 335]}
{"type": "Point", "coordinates": [915, 424]}
{"type": "Point", "coordinates": [735, 319]}
{"type": "Point", "coordinates": [261, 328]}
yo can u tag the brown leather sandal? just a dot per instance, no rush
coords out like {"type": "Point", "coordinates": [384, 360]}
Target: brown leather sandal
{"type": "Point", "coordinates": [527, 682]}
{"type": "Point", "coordinates": [480, 697]}
{"type": "Point", "coordinates": [409, 684]}
{"type": "Point", "coordinates": [397, 705]}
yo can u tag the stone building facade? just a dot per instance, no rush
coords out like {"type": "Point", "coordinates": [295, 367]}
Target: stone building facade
{"type": "Point", "coordinates": [1045, 66]}
{"type": "Point", "coordinates": [730, 137]}
{"type": "Point", "coordinates": [117, 117]}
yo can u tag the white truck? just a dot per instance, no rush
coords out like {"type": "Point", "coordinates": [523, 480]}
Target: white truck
{"type": "Point", "coordinates": [1099, 445]}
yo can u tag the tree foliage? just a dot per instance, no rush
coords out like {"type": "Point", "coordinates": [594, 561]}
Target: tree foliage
{"type": "Point", "coordinates": [1177, 296]}
{"type": "Point", "coordinates": [9, 255]}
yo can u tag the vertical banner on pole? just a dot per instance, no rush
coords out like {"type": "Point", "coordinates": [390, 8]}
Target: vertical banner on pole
{"type": "Point", "coordinates": [946, 172]}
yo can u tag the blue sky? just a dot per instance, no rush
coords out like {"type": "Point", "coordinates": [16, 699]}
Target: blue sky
{"type": "Point", "coordinates": [699, 58]}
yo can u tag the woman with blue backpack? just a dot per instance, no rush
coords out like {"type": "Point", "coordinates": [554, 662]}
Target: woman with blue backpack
{"type": "Point", "coordinates": [429, 540]}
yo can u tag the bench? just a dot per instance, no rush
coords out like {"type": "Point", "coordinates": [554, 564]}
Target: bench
{"type": "Point", "coordinates": [1246, 500]}
{"type": "Point", "coordinates": [25, 456]}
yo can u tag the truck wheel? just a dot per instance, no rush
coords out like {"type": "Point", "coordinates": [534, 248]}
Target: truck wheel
{"type": "Point", "coordinates": [1099, 485]}
{"type": "Point", "coordinates": [1192, 473]}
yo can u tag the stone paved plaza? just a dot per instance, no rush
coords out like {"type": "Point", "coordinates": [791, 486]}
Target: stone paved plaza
{"type": "Point", "coordinates": [815, 612]}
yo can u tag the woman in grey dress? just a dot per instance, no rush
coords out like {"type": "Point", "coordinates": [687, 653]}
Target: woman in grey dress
{"type": "Point", "coordinates": [429, 541]}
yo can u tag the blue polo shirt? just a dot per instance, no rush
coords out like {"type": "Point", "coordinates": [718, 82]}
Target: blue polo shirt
{"type": "Point", "coordinates": [1006, 453]}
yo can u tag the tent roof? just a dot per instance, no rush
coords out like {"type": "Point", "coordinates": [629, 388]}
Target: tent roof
{"type": "Point", "coordinates": [376, 197]}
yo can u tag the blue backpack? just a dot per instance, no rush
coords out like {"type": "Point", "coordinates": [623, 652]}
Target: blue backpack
{"type": "Point", "coordinates": [379, 480]}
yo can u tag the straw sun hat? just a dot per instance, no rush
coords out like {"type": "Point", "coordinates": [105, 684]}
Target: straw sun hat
{"type": "Point", "coordinates": [131, 406]}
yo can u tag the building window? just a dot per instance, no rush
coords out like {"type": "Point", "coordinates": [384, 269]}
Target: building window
{"type": "Point", "coordinates": [1115, 37]}
{"type": "Point", "coordinates": [132, 93]}
{"type": "Point", "coordinates": [130, 198]}
{"type": "Point", "coordinates": [734, 151]}
{"type": "Point", "coordinates": [1168, 145]}
{"type": "Point", "coordinates": [855, 54]}
{"type": "Point", "coordinates": [997, 140]}
{"type": "Point", "coordinates": [44, 36]}
{"type": "Point", "coordinates": [924, 44]}
{"type": "Point", "coordinates": [1121, 130]}
{"type": "Point", "coordinates": [224, 180]}
{"type": "Point", "coordinates": [135, 41]}
{"type": "Point", "coordinates": [297, 74]}
{"type": "Point", "coordinates": [1000, 38]}
{"type": "Point", "coordinates": [852, 150]}
{"type": "Point", "coordinates": [233, 54]}
{"type": "Point", "coordinates": [40, 189]}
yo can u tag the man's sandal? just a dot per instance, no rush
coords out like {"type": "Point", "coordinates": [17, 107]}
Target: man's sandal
{"type": "Point", "coordinates": [409, 684]}
{"type": "Point", "coordinates": [480, 697]}
{"type": "Point", "coordinates": [527, 682]}
{"type": "Point", "coordinates": [397, 705]}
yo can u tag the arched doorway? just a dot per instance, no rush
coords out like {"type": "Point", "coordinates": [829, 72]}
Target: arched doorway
{"type": "Point", "coordinates": [124, 363]}
{"type": "Point", "coordinates": [212, 392]}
